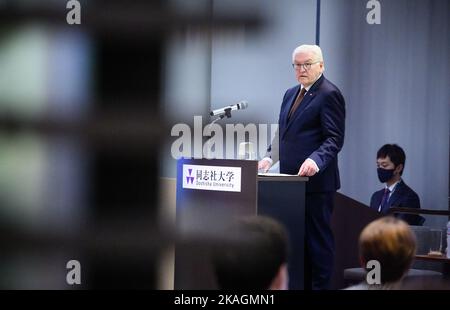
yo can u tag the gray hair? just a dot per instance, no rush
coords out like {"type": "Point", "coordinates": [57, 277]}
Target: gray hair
{"type": "Point", "coordinates": [315, 49]}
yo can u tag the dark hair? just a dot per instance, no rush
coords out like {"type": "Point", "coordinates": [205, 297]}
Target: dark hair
{"type": "Point", "coordinates": [252, 256]}
{"type": "Point", "coordinates": [395, 153]}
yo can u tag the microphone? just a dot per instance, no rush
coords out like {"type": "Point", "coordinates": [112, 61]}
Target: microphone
{"type": "Point", "coordinates": [226, 110]}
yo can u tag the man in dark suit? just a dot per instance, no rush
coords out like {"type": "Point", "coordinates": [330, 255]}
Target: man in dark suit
{"type": "Point", "coordinates": [309, 137]}
{"type": "Point", "coordinates": [390, 165]}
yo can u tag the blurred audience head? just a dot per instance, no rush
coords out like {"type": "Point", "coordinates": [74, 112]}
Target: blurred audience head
{"type": "Point", "coordinates": [254, 255]}
{"type": "Point", "coordinates": [391, 242]}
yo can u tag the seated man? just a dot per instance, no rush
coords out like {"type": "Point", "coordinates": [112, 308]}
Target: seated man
{"type": "Point", "coordinates": [391, 243]}
{"type": "Point", "coordinates": [254, 256]}
{"type": "Point", "coordinates": [391, 163]}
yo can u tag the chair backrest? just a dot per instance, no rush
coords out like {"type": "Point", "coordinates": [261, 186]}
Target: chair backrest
{"type": "Point", "coordinates": [420, 220]}
{"type": "Point", "coordinates": [411, 219]}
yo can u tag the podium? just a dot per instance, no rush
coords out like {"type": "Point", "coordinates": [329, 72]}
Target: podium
{"type": "Point", "coordinates": [211, 193]}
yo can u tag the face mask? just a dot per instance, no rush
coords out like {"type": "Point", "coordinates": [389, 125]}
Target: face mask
{"type": "Point", "coordinates": [385, 175]}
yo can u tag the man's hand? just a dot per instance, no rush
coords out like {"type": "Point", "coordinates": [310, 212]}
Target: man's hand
{"type": "Point", "coordinates": [308, 168]}
{"type": "Point", "coordinates": [264, 165]}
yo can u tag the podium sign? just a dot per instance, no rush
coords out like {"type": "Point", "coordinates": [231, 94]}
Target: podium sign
{"type": "Point", "coordinates": [212, 178]}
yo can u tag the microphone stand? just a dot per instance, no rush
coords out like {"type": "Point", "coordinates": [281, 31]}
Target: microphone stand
{"type": "Point", "coordinates": [221, 116]}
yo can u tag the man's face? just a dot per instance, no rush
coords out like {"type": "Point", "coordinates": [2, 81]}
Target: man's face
{"type": "Point", "coordinates": [387, 164]}
{"type": "Point", "coordinates": [305, 76]}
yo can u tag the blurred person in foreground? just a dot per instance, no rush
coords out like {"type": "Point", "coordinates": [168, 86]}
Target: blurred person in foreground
{"type": "Point", "coordinates": [391, 242]}
{"type": "Point", "coordinates": [254, 256]}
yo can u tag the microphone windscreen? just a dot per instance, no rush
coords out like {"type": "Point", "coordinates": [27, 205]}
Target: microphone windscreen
{"type": "Point", "coordinates": [243, 105]}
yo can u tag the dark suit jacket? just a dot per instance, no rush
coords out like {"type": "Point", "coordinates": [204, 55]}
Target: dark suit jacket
{"type": "Point", "coordinates": [315, 130]}
{"type": "Point", "coordinates": [403, 196]}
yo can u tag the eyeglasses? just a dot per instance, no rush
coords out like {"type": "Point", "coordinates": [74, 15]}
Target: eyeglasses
{"type": "Point", "coordinates": [305, 66]}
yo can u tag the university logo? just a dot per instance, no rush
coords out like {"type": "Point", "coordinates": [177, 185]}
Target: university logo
{"type": "Point", "coordinates": [190, 178]}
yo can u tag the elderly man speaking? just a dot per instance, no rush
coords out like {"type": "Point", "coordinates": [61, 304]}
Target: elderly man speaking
{"type": "Point", "coordinates": [309, 138]}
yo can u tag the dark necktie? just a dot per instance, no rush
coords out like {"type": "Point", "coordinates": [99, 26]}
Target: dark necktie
{"type": "Point", "coordinates": [384, 201]}
{"type": "Point", "coordinates": [297, 102]}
